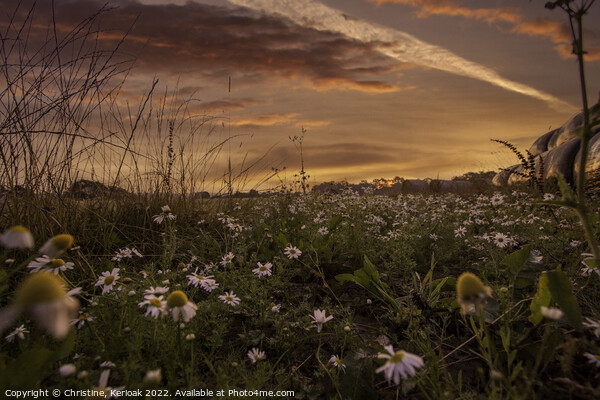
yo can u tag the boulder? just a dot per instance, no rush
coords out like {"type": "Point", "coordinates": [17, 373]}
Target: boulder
{"type": "Point", "coordinates": [559, 161]}
{"type": "Point", "coordinates": [557, 150]}
{"type": "Point", "coordinates": [501, 178]}
{"type": "Point", "coordinates": [541, 144]}
{"type": "Point", "coordinates": [518, 176]}
{"type": "Point", "coordinates": [445, 186]}
{"type": "Point", "coordinates": [415, 185]}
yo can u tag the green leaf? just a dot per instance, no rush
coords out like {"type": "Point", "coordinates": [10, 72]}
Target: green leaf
{"type": "Point", "coordinates": [516, 261]}
{"type": "Point", "coordinates": [542, 298]}
{"type": "Point", "coordinates": [561, 290]}
{"type": "Point", "coordinates": [430, 273]}
{"type": "Point", "coordinates": [335, 221]}
{"type": "Point", "coordinates": [565, 189]}
{"type": "Point", "coordinates": [27, 370]}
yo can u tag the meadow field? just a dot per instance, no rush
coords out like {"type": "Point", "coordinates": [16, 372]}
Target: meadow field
{"type": "Point", "coordinates": [139, 284]}
{"type": "Point", "coordinates": [302, 293]}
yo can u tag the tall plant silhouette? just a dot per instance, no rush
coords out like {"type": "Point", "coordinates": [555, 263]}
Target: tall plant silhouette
{"type": "Point", "coordinates": [577, 200]}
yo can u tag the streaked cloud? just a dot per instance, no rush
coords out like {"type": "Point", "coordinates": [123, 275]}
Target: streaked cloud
{"type": "Point", "coordinates": [446, 7]}
{"type": "Point", "coordinates": [556, 31]}
{"type": "Point", "coordinates": [266, 120]}
{"type": "Point", "coordinates": [395, 44]}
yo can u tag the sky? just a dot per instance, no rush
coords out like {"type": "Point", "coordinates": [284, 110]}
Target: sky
{"type": "Point", "coordinates": [381, 88]}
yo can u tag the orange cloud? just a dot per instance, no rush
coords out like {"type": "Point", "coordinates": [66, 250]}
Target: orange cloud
{"type": "Point", "coordinates": [266, 120]}
{"type": "Point", "coordinates": [312, 124]}
{"type": "Point", "coordinates": [556, 31]}
{"type": "Point", "coordinates": [445, 7]}
{"type": "Point", "coordinates": [340, 83]}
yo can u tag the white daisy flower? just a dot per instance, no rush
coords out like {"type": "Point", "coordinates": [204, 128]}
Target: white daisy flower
{"type": "Point", "coordinates": [323, 230]}
{"type": "Point", "coordinates": [227, 259]}
{"type": "Point", "coordinates": [497, 199]}
{"type": "Point", "coordinates": [17, 237]}
{"type": "Point", "coordinates": [155, 306]}
{"type": "Point", "coordinates": [320, 318]}
{"type": "Point", "coordinates": [165, 214]}
{"type": "Point", "coordinates": [230, 298]}
{"type": "Point", "coordinates": [19, 332]}
{"type": "Point", "coordinates": [196, 279]}
{"type": "Point", "coordinates": [460, 232]}
{"type": "Point", "coordinates": [108, 280]}
{"type": "Point", "coordinates": [399, 363]}
{"type": "Point", "coordinates": [255, 355]}
{"type": "Point", "coordinates": [45, 263]}
{"type": "Point", "coordinates": [156, 290]}
{"type": "Point", "coordinates": [292, 252]}
{"type": "Point", "coordinates": [122, 253]}
{"type": "Point", "coordinates": [335, 360]}
{"type": "Point", "coordinates": [263, 269]}
{"type": "Point", "coordinates": [501, 240]}
{"type": "Point", "coordinates": [179, 305]}
{"type": "Point", "coordinates": [209, 286]}
{"type": "Point", "coordinates": [80, 321]}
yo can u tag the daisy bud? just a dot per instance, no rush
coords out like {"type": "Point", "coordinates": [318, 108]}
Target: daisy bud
{"type": "Point", "coordinates": [153, 377]}
{"type": "Point", "coordinates": [67, 369]}
{"type": "Point", "coordinates": [551, 313]}
{"type": "Point", "coordinates": [38, 288]}
{"type": "Point", "coordinates": [17, 237]}
{"type": "Point", "coordinates": [471, 293]}
{"type": "Point", "coordinates": [43, 296]}
{"type": "Point", "coordinates": [57, 245]}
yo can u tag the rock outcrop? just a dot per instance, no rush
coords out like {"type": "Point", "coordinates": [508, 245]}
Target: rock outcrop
{"type": "Point", "coordinates": [557, 153]}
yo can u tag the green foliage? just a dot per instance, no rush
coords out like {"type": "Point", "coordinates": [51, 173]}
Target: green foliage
{"type": "Point", "coordinates": [368, 278]}
{"type": "Point", "coordinates": [561, 289]}
{"type": "Point", "coordinates": [542, 299]}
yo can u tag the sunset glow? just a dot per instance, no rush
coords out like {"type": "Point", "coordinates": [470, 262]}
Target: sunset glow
{"type": "Point", "coordinates": [383, 88]}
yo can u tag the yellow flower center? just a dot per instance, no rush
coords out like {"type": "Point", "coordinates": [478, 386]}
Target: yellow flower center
{"type": "Point", "coordinates": [19, 229]}
{"type": "Point", "coordinates": [199, 277]}
{"type": "Point", "coordinates": [108, 280]}
{"type": "Point", "coordinates": [397, 357]}
{"type": "Point", "coordinates": [156, 302]}
{"type": "Point", "coordinates": [177, 299]}
{"type": "Point", "coordinates": [84, 316]}
{"type": "Point", "coordinates": [40, 287]}
{"type": "Point", "coordinates": [57, 263]}
{"type": "Point", "coordinates": [262, 268]}
{"type": "Point", "coordinates": [62, 242]}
